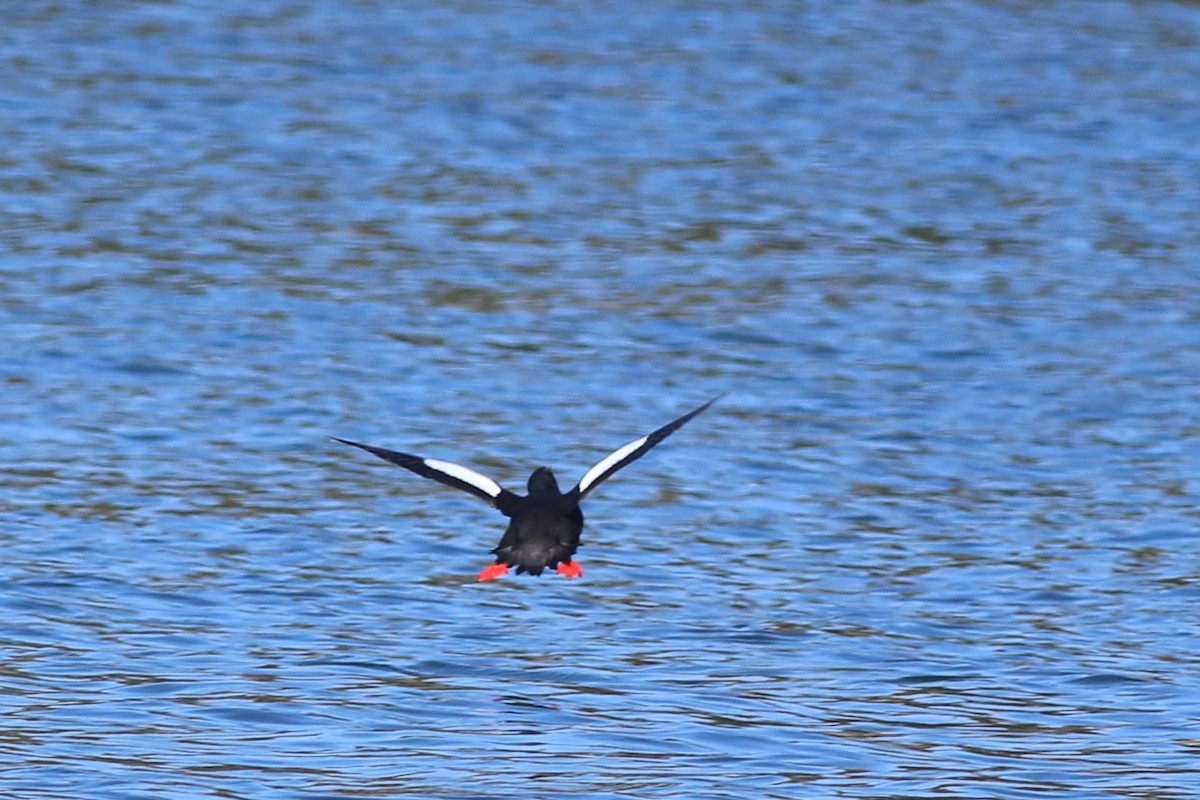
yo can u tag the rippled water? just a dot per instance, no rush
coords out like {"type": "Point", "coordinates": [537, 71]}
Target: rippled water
{"type": "Point", "coordinates": [938, 540]}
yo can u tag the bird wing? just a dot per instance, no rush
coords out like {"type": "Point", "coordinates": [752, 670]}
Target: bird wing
{"type": "Point", "coordinates": [632, 452]}
{"type": "Point", "coordinates": [454, 475]}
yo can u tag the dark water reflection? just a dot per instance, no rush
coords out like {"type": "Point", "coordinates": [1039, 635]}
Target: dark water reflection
{"type": "Point", "coordinates": [938, 541]}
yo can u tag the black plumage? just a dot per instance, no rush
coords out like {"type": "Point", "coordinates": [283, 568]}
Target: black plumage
{"type": "Point", "coordinates": [544, 525]}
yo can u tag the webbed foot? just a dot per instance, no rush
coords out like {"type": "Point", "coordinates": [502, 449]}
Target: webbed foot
{"type": "Point", "coordinates": [493, 572]}
{"type": "Point", "coordinates": [570, 569]}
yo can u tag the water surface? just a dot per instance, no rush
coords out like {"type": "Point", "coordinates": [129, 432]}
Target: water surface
{"type": "Point", "coordinates": [938, 540]}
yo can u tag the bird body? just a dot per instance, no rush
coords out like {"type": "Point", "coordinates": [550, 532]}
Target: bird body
{"type": "Point", "coordinates": [545, 525]}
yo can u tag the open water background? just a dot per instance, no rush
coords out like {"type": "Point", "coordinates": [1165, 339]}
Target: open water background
{"type": "Point", "coordinates": [938, 541]}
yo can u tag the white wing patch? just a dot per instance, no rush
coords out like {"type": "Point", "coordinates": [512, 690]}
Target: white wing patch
{"type": "Point", "coordinates": [598, 470]}
{"type": "Point", "coordinates": [481, 482]}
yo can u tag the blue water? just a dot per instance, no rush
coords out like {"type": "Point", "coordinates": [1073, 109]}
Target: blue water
{"type": "Point", "coordinates": [939, 540]}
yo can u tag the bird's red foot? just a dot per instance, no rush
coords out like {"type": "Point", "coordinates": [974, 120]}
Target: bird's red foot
{"type": "Point", "coordinates": [570, 569]}
{"type": "Point", "coordinates": [493, 572]}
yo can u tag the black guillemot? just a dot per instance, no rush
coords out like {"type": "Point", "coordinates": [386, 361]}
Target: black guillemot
{"type": "Point", "coordinates": [545, 525]}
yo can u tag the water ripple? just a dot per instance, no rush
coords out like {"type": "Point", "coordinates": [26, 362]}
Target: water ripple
{"type": "Point", "coordinates": [935, 542]}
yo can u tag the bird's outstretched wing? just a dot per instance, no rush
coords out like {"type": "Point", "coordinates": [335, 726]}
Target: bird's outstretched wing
{"type": "Point", "coordinates": [454, 475]}
{"type": "Point", "coordinates": [632, 452]}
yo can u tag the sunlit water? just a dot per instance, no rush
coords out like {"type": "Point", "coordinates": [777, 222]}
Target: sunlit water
{"type": "Point", "coordinates": [937, 541]}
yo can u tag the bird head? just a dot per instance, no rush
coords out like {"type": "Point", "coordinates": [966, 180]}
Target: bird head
{"type": "Point", "coordinates": [542, 480]}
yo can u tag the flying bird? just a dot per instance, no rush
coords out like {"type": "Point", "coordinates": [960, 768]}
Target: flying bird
{"type": "Point", "coordinates": [544, 526]}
